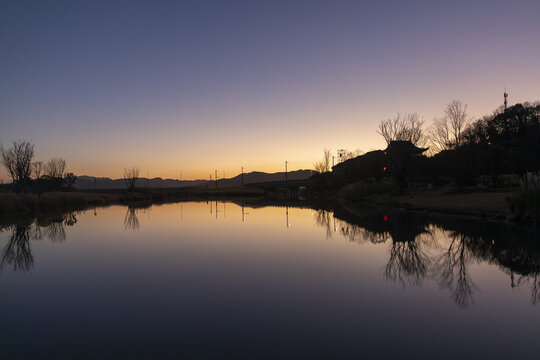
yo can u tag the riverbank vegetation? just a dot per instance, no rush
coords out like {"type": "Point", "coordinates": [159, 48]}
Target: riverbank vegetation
{"type": "Point", "coordinates": [449, 165]}
{"type": "Point", "coordinates": [496, 154]}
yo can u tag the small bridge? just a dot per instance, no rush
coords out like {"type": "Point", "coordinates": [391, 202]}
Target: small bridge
{"type": "Point", "coordinates": [293, 186]}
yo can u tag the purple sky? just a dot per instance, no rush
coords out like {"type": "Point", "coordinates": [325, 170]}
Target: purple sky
{"type": "Point", "coordinates": [203, 85]}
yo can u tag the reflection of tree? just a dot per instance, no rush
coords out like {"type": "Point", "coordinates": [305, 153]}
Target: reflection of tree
{"type": "Point", "coordinates": [533, 280]}
{"type": "Point", "coordinates": [450, 270]}
{"type": "Point", "coordinates": [323, 218]}
{"type": "Point", "coordinates": [353, 232]}
{"type": "Point", "coordinates": [131, 221]}
{"type": "Point", "coordinates": [55, 231]}
{"type": "Point", "coordinates": [359, 235]}
{"type": "Point", "coordinates": [17, 251]}
{"type": "Point", "coordinates": [407, 263]}
{"type": "Point", "coordinates": [36, 233]}
{"type": "Point", "coordinates": [53, 228]}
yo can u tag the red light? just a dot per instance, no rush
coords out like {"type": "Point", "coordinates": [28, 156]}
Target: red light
{"type": "Point", "coordinates": [385, 218]}
{"type": "Point", "coordinates": [384, 169]}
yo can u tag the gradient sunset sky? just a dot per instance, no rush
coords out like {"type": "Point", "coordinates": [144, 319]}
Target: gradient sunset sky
{"type": "Point", "coordinates": [204, 85]}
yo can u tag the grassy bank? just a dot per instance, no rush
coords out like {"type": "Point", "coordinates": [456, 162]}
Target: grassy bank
{"type": "Point", "coordinates": [474, 202]}
{"type": "Point", "coordinates": [12, 204]}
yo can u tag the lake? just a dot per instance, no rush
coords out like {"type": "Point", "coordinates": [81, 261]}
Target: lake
{"type": "Point", "coordinates": [234, 280]}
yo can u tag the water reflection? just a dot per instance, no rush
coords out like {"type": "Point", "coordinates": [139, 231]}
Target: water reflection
{"type": "Point", "coordinates": [131, 220]}
{"type": "Point", "coordinates": [407, 264]}
{"type": "Point", "coordinates": [17, 253]}
{"type": "Point", "coordinates": [420, 248]}
{"type": "Point", "coordinates": [441, 248]}
{"type": "Point", "coordinates": [450, 270]}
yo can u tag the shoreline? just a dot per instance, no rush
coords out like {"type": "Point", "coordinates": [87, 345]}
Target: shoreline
{"type": "Point", "coordinates": [483, 205]}
{"type": "Point", "coordinates": [480, 205]}
{"type": "Point", "coordinates": [26, 204]}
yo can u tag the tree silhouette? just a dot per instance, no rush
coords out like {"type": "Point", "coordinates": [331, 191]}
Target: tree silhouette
{"type": "Point", "coordinates": [17, 160]}
{"type": "Point", "coordinates": [447, 133]}
{"type": "Point", "coordinates": [55, 168]}
{"type": "Point", "coordinates": [37, 169]}
{"type": "Point", "coordinates": [130, 177]}
{"type": "Point", "coordinates": [403, 127]}
{"type": "Point", "coordinates": [323, 165]}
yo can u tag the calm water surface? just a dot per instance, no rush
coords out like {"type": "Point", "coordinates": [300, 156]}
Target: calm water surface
{"type": "Point", "coordinates": [222, 280]}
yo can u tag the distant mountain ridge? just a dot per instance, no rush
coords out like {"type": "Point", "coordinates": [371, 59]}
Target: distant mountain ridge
{"type": "Point", "coordinates": [85, 182]}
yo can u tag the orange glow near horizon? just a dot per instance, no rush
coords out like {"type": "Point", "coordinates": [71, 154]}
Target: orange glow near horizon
{"type": "Point", "coordinates": [204, 87]}
{"type": "Point", "coordinates": [197, 153]}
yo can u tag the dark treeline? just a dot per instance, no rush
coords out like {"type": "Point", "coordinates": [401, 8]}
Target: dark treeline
{"type": "Point", "coordinates": [506, 142]}
{"type": "Point", "coordinates": [501, 149]}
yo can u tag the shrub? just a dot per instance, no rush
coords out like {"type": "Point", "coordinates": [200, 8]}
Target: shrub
{"type": "Point", "coordinates": [526, 202]}
{"type": "Point", "coordinates": [357, 191]}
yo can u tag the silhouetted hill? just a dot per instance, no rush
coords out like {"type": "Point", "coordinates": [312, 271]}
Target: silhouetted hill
{"type": "Point", "coordinates": [259, 177]}
{"type": "Point", "coordinates": [87, 182]}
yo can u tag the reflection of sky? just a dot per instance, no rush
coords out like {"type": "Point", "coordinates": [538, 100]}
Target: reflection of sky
{"type": "Point", "coordinates": [200, 86]}
{"type": "Point", "coordinates": [186, 283]}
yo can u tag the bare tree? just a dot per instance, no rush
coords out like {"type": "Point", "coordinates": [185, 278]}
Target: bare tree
{"type": "Point", "coordinates": [70, 178]}
{"type": "Point", "coordinates": [55, 168]}
{"type": "Point", "coordinates": [37, 169]}
{"type": "Point", "coordinates": [324, 164]}
{"type": "Point", "coordinates": [130, 177]}
{"type": "Point", "coordinates": [403, 127]}
{"type": "Point", "coordinates": [447, 133]}
{"type": "Point", "coordinates": [351, 154]}
{"type": "Point", "coordinates": [456, 113]}
{"type": "Point", "coordinates": [17, 160]}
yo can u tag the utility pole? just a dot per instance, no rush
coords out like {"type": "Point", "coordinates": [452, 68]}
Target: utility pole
{"type": "Point", "coordinates": [505, 99]}
{"type": "Point", "coordinates": [242, 177]}
{"type": "Point", "coordinates": [216, 177]}
{"type": "Point", "coordinates": [148, 180]}
{"type": "Point", "coordinates": [285, 171]}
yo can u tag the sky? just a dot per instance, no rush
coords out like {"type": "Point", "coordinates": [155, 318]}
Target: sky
{"type": "Point", "coordinates": [198, 86]}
